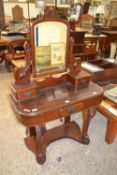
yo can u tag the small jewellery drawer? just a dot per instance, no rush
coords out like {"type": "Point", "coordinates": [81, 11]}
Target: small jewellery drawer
{"type": "Point", "coordinates": [71, 109]}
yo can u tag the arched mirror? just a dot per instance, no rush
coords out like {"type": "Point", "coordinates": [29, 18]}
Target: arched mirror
{"type": "Point", "coordinates": [50, 46]}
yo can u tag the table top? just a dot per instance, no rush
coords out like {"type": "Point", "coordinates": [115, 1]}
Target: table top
{"type": "Point", "coordinates": [57, 97]}
{"type": "Point", "coordinates": [111, 32]}
{"type": "Point", "coordinates": [90, 35]}
{"type": "Point", "coordinates": [4, 40]}
{"type": "Point", "coordinates": [110, 92]}
{"type": "Point", "coordinates": [104, 71]}
{"type": "Point", "coordinates": [8, 33]}
{"type": "Point", "coordinates": [108, 104]}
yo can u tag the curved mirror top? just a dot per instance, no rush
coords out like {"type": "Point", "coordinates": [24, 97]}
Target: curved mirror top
{"type": "Point", "coordinates": [50, 46]}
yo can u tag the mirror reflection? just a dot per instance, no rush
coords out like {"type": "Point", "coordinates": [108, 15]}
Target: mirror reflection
{"type": "Point", "coordinates": [50, 46]}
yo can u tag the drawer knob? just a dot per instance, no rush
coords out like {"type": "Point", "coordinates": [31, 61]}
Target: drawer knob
{"type": "Point", "coordinates": [72, 110]}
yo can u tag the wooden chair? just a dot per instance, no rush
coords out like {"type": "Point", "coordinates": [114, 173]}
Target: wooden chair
{"type": "Point", "coordinates": [55, 89]}
{"type": "Point", "coordinates": [17, 13]}
{"type": "Point", "coordinates": [15, 55]}
{"type": "Point", "coordinates": [2, 53]}
{"type": "Point", "coordinates": [92, 48]}
{"type": "Point", "coordinates": [108, 108]}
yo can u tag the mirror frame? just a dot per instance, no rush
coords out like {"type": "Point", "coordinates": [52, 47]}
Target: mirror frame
{"type": "Point", "coordinates": [50, 16]}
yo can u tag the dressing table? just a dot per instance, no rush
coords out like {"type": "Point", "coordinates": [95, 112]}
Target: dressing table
{"type": "Point", "coordinates": [56, 88]}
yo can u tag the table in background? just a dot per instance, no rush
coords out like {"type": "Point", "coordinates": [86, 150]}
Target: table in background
{"type": "Point", "coordinates": [108, 108]}
{"type": "Point", "coordinates": [5, 38]}
{"type": "Point", "coordinates": [111, 37]}
{"type": "Point", "coordinates": [3, 45]}
{"type": "Point", "coordinates": [103, 71]}
{"type": "Point", "coordinates": [100, 41]}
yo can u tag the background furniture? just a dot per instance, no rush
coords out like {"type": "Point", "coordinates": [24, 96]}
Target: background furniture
{"type": "Point", "coordinates": [88, 46]}
{"type": "Point", "coordinates": [17, 13]}
{"type": "Point", "coordinates": [53, 92]}
{"type": "Point", "coordinates": [95, 45]}
{"type": "Point", "coordinates": [2, 49]}
{"type": "Point", "coordinates": [2, 18]}
{"type": "Point", "coordinates": [111, 37]}
{"type": "Point", "coordinates": [103, 71]}
{"type": "Point", "coordinates": [79, 44]}
{"type": "Point", "coordinates": [112, 24]}
{"type": "Point", "coordinates": [85, 21]}
{"type": "Point", "coordinates": [108, 108]}
{"type": "Point", "coordinates": [15, 55]}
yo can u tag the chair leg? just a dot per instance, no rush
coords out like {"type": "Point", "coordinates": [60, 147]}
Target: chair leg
{"type": "Point", "coordinates": [1, 56]}
{"type": "Point", "coordinates": [9, 66]}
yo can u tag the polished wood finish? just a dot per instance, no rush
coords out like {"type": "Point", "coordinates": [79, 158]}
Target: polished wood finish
{"type": "Point", "coordinates": [111, 37]}
{"type": "Point", "coordinates": [85, 21]}
{"type": "Point", "coordinates": [15, 53]}
{"type": "Point", "coordinates": [3, 43]}
{"type": "Point", "coordinates": [87, 46]}
{"type": "Point", "coordinates": [41, 98]}
{"type": "Point", "coordinates": [41, 110]}
{"type": "Point", "coordinates": [109, 109]}
{"type": "Point", "coordinates": [3, 46]}
{"type": "Point", "coordinates": [79, 44]}
{"type": "Point", "coordinates": [103, 71]}
{"type": "Point", "coordinates": [2, 17]}
{"type": "Point", "coordinates": [62, 11]}
{"type": "Point", "coordinates": [17, 13]}
{"type": "Point", "coordinates": [95, 45]}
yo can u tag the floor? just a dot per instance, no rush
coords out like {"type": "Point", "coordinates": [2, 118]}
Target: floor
{"type": "Point", "coordinates": [64, 157]}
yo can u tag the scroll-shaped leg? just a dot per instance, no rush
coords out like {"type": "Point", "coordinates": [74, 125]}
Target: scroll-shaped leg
{"type": "Point", "coordinates": [87, 115]}
{"type": "Point", "coordinates": [111, 131]}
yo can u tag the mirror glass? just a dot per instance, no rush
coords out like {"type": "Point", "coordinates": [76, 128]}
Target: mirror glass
{"type": "Point", "coordinates": [50, 46]}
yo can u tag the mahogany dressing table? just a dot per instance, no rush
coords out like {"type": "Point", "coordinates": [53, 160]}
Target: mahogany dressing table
{"type": "Point", "coordinates": [56, 88]}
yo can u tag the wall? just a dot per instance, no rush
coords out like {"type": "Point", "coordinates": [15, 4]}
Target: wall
{"type": "Point", "coordinates": [33, 11]}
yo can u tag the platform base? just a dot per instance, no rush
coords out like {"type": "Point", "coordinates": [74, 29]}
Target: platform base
{"type": "Point", "coordinates": [38, 141]}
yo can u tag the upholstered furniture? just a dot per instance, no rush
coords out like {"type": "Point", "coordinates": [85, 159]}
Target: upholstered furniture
{"type": "Point", "coordinates": [56, 88]}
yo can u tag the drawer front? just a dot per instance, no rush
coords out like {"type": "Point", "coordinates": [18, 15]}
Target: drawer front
{"type": "Point", "coordinates": [27, 94]}
{"type": "Point", "coordinates": [71, 109]}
